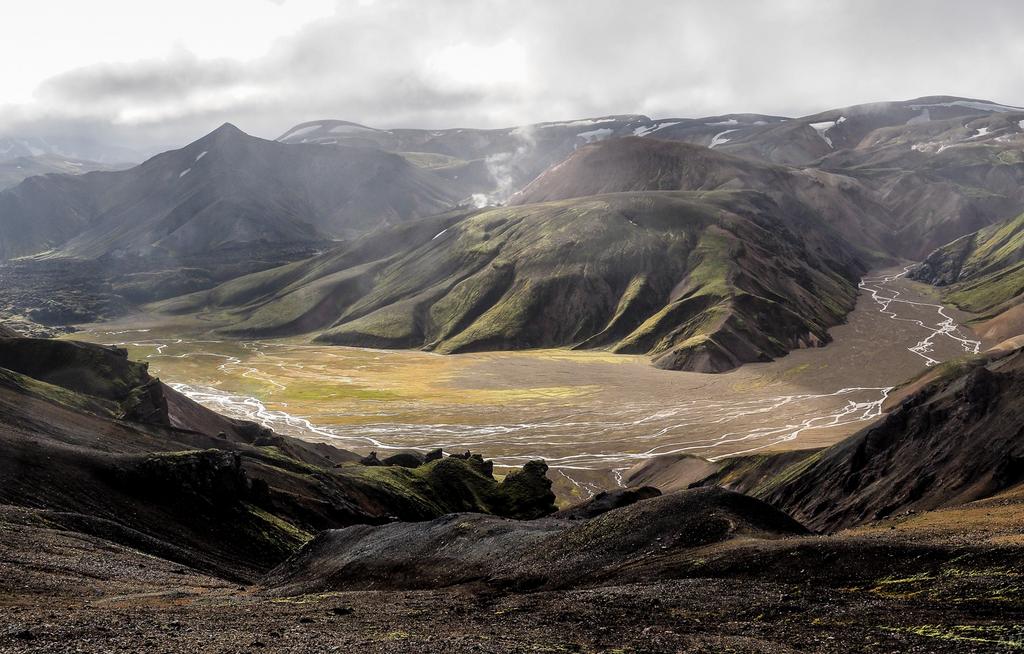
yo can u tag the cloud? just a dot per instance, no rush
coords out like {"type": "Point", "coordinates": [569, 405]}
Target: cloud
{"type": "Point", "coordinates": [152, 81]}
{"type": "Point", "coordinates": [494, 63]}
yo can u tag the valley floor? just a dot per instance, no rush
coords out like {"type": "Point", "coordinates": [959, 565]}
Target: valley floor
{"type": "Point", "coordinates": [590, 414]}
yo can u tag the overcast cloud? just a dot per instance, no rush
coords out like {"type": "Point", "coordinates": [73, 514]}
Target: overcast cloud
{"type": "Point", "coordinates": [163, 74]}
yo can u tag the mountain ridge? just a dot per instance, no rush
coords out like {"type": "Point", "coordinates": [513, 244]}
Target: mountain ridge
{"type": "Point", "coordinates": [225, 188]}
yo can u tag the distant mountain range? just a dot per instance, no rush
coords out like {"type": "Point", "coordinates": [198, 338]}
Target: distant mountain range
{"type": "Point", "coordinates": [14, 171]}
{"type": "Point", "coordinates": [938, 164]}
{"type": "Point", "coordinates": [704, 242]}
{"type": "Point", "coordinates": [80, 147]}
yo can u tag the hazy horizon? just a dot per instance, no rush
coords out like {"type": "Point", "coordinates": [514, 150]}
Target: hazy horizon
{"type": "Point", "coordinates": [143, 80]}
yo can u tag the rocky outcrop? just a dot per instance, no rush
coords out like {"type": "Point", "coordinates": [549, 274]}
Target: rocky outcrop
{"type": "Point", "coordinates": [526, 493]}
{"type": "Point", "coordinates": [606, 501]}
{"type": "Point", "coordinates": [645, 537]}
{"type": "Point", "coordinates": [98, 371]}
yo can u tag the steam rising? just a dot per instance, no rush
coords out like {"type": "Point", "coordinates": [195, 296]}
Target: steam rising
{"type": "Point", "coordinates": [507, 168]}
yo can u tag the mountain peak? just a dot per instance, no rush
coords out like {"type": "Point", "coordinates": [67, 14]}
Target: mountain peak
{"type": "Point", "coordinates": [225, 132]}
{"type": "Point", "coordinates": [227, 128]}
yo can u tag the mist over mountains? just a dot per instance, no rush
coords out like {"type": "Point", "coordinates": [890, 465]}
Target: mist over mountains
{"type": "Point", "coordinates": [588, 248]}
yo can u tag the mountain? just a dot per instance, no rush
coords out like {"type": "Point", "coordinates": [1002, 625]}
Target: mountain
{"type": "Point", "coordinates": [808, 139]}
{"type": "Point", "coordinates": [14, 171]}
{"type": "Point", "coordinates": [700, 281]}
{"type": "Point", "coordinates": [501, 161]}
{"type": "Point", "coordinates": [938, 167]}
{"type": "Point", "coordinates": [646, 164]}
{"type": "Point", "coordinates": [225, 189]}
{"type": "Point", "coordinates": [983, 273]}
{"type": "Point", "coordinates": [888, 180]}
{"type": "Point", "coordinates": [77, 146]}
{"type": "Point", "coordinates": [935, 168]}
{"type": "Point", "coordinates": [943, 166]}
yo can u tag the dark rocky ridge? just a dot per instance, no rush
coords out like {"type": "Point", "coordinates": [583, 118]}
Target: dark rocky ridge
{"type": "Point", "coordinates": [460, 549]}
{"type": "Point", "coordinates": [958, 439]}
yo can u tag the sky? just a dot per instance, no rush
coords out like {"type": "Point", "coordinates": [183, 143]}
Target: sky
{"type": "Point", "coordinates": [151, 74]}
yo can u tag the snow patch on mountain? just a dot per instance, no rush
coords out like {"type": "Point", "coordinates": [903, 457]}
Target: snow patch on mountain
{"type": "Point", "coordinates": [580, 123]}
{"type": "Point", "coordinates": [644, 131]}
{"type": "Point", "coordinates": [824, 126]}
{"type": "Point", "coordinates": [718, 140]}
{"type": "Point", "coordinates": [932, 147]}
{"type": "Point", "coordinates": [822, 129]}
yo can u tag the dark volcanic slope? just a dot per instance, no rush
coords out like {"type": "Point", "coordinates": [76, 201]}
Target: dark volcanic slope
{"type": "Point", "coordinates": [983, 273]}
{"type": "Point", "coordinates": [106, 450]}
{"type": "Point", "coordinates": [226, 188]}
{"type": "Point", "coordinates": [702, 281]}
{"type": "Point", "coordinates": [958, 437]}
{"type": "Point", "coordinates": [458, 549]}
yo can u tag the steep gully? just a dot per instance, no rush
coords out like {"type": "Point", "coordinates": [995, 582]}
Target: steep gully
{"type": "Point", "coordinates": [706, 426]}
